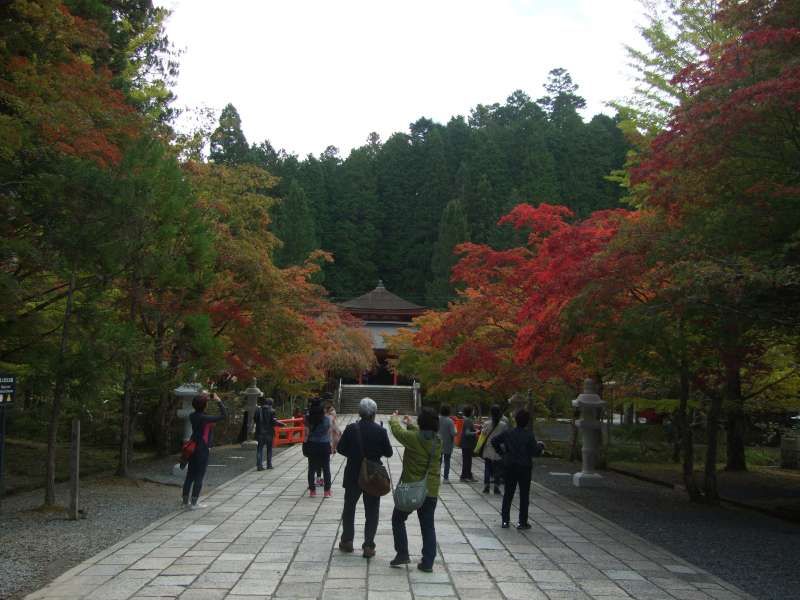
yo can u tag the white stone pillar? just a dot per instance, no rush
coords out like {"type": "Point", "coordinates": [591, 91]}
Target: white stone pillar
{"type": "Point", "coordinates": [589, 403]}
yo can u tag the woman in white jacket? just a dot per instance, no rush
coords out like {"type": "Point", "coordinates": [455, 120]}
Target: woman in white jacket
{"type": "Point", "coordinates": [491, 459]}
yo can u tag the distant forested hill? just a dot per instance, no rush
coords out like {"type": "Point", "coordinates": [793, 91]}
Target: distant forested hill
{"type": "Point", "coordinates": [395, 209]}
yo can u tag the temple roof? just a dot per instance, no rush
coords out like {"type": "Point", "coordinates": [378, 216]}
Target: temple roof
{"type": "Point", "coordinates": [380, 299]}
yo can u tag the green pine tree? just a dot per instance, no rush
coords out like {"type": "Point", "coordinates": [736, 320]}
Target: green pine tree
{"type": "Point", "coordinates": [453, 230]}
{"type": "Point", "coordinates": [228, 143]}
{"type": "Point", "coordinates": [294, 226]}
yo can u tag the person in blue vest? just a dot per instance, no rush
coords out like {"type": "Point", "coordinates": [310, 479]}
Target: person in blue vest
{"type": "Point", "coordinates": [202, 424]}
{"type": "Point", "coordinates": [318, 438]}
{"type": "Point", "coordinates": [265, 424]}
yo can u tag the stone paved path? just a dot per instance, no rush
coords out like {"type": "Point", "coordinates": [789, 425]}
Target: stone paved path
{"type": "Point", "coordinates": [262, 537]}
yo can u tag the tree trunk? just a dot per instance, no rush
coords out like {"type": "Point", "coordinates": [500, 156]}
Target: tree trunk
{"type": "Point", "coordinates": [573, 446]}
{"type": "Point", "coordinates": [58, 399]}
{"type": "Point", "coordinates": [125, 434]}
{"type": "Point", "coordinates": [160, 433]}
{"type": "Point", "coordinates": [735, 424]}
{"type": "Point", "coordinates": [629, 414]}
{"type": "Point", "coordinates": [686, 437]}
{"type": "Point", "coordinates": [712, 430]}
{"type": "Point", "coordinates": [678, 423]}
{"type": "Point", "coordinates": [127, 393]}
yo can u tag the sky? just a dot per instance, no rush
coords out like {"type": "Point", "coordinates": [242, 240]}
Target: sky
{"type": "Point", "coordinates": [307, 74]}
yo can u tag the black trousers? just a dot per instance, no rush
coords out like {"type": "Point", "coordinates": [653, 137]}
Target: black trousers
{"type": "Point", "coordinates": [466, 463]}
{"type": "Point", "coordinates": [321, 459]}
{"type": "Point", "coordinates": [514, 475]}
{"type": "Point", "coordinates": [372, 506]}
{"type": "Point", "coordinates": [195, 473]}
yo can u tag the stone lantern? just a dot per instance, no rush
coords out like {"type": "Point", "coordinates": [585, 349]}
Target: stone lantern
{"type": "Point", "coordinates": [186, 393]}
{"type": "Point", "coordinates": [251, 394]}
{"type": "Point", "coordinates": [589, 403]}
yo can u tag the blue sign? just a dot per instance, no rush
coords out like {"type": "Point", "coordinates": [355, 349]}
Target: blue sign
{"type": "Point", "coordinates": [8, 387]}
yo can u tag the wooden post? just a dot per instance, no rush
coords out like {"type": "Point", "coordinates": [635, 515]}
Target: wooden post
{"type": "Point", "coordinates": [74, 470]}
{"type": "Point", "coordinates": [2, 448]}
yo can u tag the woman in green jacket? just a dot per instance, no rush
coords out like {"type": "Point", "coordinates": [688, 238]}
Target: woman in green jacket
{"type": "Point", "coordinates": [422, 448]}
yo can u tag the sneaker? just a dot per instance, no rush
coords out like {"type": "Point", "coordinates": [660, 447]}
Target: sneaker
{"type": "Point", "coordinates": [368, 552]}
{"type": "Point", "coordinates": [197, 506]}
{"type": "Point", "coordinates": [269, 467]}
{"type": "Point", "coordinates": [486, 489]}
{"type": "Point", "coordinates": [505, 525]}
{"type": "Point", "coordinates": [328, 494]}
{"type": "Point", "coordinates": [398, 561]}
{"type": "Point", "coordinates": [425, 568]}
{"type": "Point", "coordinates": [523, 526]}
{"type": "Point", "coordinates": [259, 468]}
{"type": "Point", "coordinates": [346, 546]}
{"type": "Point", "coordinates": [312, 493]}
{"type": "Point", "coordinates": [497, 491]}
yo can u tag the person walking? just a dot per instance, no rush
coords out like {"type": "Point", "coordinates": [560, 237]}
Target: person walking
{"type": "Point", "coordinates": [202, 424]}
{"type": "Point", "coordinates": [363, 439]}
{"type": "Point", "coordinates": [265, 424]}
{"type": "Point", "coordinates": [447, 433]}
{"type": "Point", "coordinates": [469, 440]}
{"type": "Point", "coordinates": [336, 432]}
{"type": "Point", "coordinates": [318, 437]}
{"type": "Point", "coordinates": [517, 447]}
{"type": "Point", "coordinates": [492, 467]}
{"type": "Point", "coordinates": [420, 462]}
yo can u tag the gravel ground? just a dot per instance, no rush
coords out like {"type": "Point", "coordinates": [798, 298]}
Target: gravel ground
{"type": "Point", "coordinates": [758, 553]}
{"type": "Point", "coordinates": [36, 546]}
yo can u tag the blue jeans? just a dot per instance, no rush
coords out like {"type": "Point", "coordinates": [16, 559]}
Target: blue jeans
{"type": "Point", "coordinates": [425, 514]}
{"type": "Point", "coordinates": [492, 472]}
{"type": "Point", "coordinates": [446, 463]}
{"type": "Point", "coordinates": [262, 442]}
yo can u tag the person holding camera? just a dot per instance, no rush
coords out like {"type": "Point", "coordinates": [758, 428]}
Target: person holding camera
{"type": "Point", "coordinates": [421, 460]}
{"type": "Point", "coordinates": [202, 425]}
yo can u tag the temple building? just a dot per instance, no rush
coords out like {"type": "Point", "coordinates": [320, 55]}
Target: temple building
{"type": "Point", "coordinates": [383, 314]}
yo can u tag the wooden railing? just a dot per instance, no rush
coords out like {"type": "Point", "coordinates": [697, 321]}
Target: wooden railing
{"type": "Point", "coordinates": [292, 432]}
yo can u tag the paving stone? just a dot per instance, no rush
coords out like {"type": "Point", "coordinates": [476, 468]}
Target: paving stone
{"type": "Point", "coordinates": [216, 580]}
{"type": "Point", "coordinates": [263, 538]}
{"type": "Point", "coordinates": [345, 584]}
{"type": "Point", "coordinates": [252, 587]}
{"type": "Point", "coordinates": [521, 591]}
{"type": "Point", "coordinates": [435, 590]}
{"type": "Point", "coordinates": [203, 594]}
{"type": "Point", "coordinates": [380, 595]}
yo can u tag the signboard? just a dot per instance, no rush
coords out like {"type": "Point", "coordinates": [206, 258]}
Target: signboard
{"type": "Point", "coordinates": [8, 387]}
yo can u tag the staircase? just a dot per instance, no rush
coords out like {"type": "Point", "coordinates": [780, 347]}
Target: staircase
{"type": "Point", "coordinates": [389, 398]}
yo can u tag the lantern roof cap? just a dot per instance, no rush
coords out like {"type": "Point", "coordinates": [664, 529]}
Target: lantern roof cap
{"type": "Point", "coordinates": [589, 397]}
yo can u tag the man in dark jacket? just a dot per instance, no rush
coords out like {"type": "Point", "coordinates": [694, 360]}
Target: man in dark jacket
{"type": "Point", "coordinates": [266, 422]}
{"type": "Point", "coordinates": [517, 447]}
{"type": "Point", "coordinates": [363, 438]}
